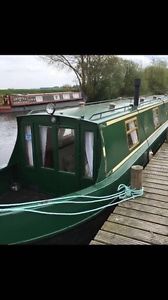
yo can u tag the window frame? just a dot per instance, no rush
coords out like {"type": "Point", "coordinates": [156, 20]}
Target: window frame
{"type": "Point", "coordinates": [74, 172]}
{"type": "Point", "coordinates": [85, 156]}
{"type": "Point", "coordinates": [156, 109]}
{"type": "Point", "coordinates": [25, 149]}
{"type": "Point", "coordinates": [131, 130]}
{"type": "Point", "coordinates": [40, 145]}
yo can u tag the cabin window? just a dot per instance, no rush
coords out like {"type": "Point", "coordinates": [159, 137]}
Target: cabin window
{"type": "Point", "coordinates": [89, 143]}
{"type": "Point", "coordinates": [66, 149]}
{"type": "Point", "coordinates": [56, 97]}
{"type": "Point", "coordinates": [132, 132]}
{"type": "Point", "coordinates": [66, 96]}
{"type": "Point", "coordinates": [75, 95]}
{"type": "Point", "coordinates": [46, 146]}
{"type": "Point", "coordinates": [156, 117]}
{"type": "Point", "coordinates": [29, 146]}
{"type": "Point", "coordinates": [39, 98]}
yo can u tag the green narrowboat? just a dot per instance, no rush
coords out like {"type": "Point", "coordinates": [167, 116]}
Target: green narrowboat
{"type": "Point", "coordinates": [66, 164]}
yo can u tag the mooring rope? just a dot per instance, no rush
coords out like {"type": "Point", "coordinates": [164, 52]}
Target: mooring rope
{"type": "Point", "coordinates": [127, 193]}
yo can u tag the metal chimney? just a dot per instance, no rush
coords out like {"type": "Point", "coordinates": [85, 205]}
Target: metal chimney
{"type": "Point", "coordinates": [137, 84]}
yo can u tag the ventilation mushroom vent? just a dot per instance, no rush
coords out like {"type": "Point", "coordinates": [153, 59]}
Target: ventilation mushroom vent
{"type": "Point", "coordinates": [112, 106]}
{"type": "Point", "coordinates": [142, 99]}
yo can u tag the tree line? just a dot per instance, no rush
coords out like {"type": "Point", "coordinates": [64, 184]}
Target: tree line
{"type": "Point", "coordinates": [103, 77]}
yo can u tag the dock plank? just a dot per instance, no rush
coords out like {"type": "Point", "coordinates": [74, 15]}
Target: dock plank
{"type": "Point", "coordinates": [141, 215]}
{"type": "Point", "coordinates": [154, 175]}
{"type": "Point", "coordinates": [155, 197]}
{"type": "Point", "coordinates": [156, 169]}
{"type": "Point", "coordinates": [160, 161]}
{"type": "Point", "coordinates": [155, 180]}
{"type": "Point", "coordinates": [115, 239]}
{"type": "Point", "coordinates": [158, 166]}
{"type": "Point", "coordinates": [95, 242]}
{"type": "Point", "coordinates": [143, 220]}
{"type": "Point", "coordinates": [157, 186]}
{"type": "Point", "coordinates": [156, 203]}
{"type": "Point", "coordinates": [155, 190]}
{"type": "Point", "coordinates": [160, 155]}
{"type": "Point", "coordinates": [139, 224]}
{"type": "Point", "coordinates": [137, 234]}
{"type": "Point", "coordinates": [146, 208]}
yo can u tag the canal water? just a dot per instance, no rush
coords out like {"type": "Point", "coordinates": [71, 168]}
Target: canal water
{"type": "Point", "coordinates": [8, 133]}
{"type": "Point", "coordinates": [80, 236]}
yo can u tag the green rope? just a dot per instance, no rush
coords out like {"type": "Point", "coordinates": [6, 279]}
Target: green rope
{"type": "Point", "coordinates": [124, 195]}
{"type": "Point", "coordinates": [129, 192]}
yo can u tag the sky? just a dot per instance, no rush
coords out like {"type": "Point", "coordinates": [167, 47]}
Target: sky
{"type": "Point", "coordinates": [30, 71]}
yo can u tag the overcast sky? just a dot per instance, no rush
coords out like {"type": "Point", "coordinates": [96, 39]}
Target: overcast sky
{"type": "Point", "coordinates": [30, 71]}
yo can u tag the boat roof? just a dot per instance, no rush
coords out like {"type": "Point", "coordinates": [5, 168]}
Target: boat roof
{"type": "Point", "coordinates": [102, 111]}
{"type": "Point", "coordinates": [46, 93]}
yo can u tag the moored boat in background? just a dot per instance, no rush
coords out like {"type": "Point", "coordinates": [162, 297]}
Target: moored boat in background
{"type": "Point", "coordinates": [28, 102]}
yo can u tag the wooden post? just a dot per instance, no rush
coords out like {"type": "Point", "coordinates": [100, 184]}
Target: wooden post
{"type": "Point", "coordinates": [166, 136]}
{"type": "Point", "coordinates": [136, 177]}
{"type": "Point", "coordinates": [150, 154]}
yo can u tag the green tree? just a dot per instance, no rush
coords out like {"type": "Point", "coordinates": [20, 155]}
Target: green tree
{"type": "Point", "coordinates": [131, 71]}
{"type": "Point", "coordinates": [156, 77]}
{"type": "Point", "coordinates": [110, 83]}
{"type": "Point", "coordinates": [99, 76]}
{"type": "Point", "coordinates": [81, 65]}
{"type": "Point", "coordinates": [103, 77]}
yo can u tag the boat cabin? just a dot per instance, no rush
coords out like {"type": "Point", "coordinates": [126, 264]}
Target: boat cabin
{"type": "Point", "coordinates": [56, 154]}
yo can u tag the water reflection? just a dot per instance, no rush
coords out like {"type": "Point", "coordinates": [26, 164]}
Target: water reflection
{"type": "Point", "coordinates": [8, 133]}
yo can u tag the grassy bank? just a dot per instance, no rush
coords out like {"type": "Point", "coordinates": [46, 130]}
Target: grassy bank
{"type": "Point", "coordinates": [37, 91]}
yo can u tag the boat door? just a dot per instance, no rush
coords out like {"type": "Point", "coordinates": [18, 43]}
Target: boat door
{"type": "Point", "coordinates": [68, 155]}
{"type": "Point", "coordinates": [89, 154]}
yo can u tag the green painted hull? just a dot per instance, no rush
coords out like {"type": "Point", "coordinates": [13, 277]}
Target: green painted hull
{"type": "Point", "coordinates": [27, 227]}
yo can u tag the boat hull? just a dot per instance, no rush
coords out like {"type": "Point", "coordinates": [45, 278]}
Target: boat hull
{"type": "Point", "coordinates": [30, 227]}
{"type": "Point", "coordinates": [40, 106]}
{"type": "Point", "coordinates": [45, 223]}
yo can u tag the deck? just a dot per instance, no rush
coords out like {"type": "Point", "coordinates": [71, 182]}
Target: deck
{"type": "Point", "coordinates": [23, 195]}
{"type": "Point", "coordinates": [143, 220]}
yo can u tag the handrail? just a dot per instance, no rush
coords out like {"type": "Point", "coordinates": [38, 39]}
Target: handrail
{"type": "Point", "coordinates": [151, 101]}
{"type": "Point", "coordinates": [33, 111]}
{"type": "Point", "coordinates": [100, 102]}
{"type": "Point", "coordinates": [111, 110]}
{"type": "Point", "coordinates": [115, 100]}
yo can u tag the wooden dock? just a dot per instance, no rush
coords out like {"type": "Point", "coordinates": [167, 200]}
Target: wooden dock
{"type": "Point", "coordinates": [143, 220]}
